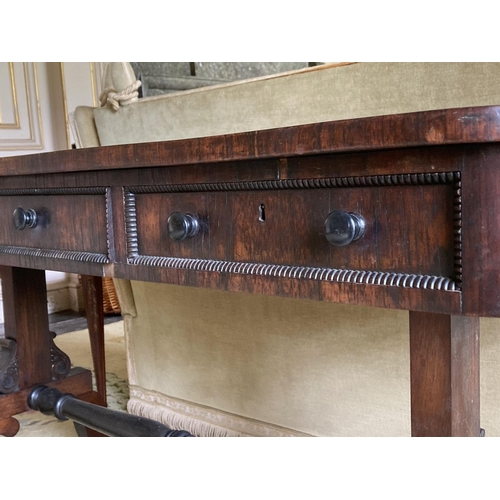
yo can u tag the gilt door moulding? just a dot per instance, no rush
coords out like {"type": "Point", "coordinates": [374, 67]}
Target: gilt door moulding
{"type": "Point", "coordinates": [25, 131]}
{"type": "Point", "coordinates": [9, 111]}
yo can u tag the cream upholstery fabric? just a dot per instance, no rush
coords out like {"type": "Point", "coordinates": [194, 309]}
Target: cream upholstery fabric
{"type": "Point", "coordinates": [84, 127]}
{"type": "Point", "coordinates": [253, 365]}
{"type": "Point", "coordinates": [354, 91]}
{"type": "Point", "coordinates": [322, 369]}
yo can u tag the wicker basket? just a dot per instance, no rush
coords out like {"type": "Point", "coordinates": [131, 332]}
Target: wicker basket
{"type": "Point", "coordinates": [111, 305]}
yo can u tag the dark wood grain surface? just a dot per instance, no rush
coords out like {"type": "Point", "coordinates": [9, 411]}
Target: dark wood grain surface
{"type": "Point", "coordinates": [26, 321]}
{"type": "Point", "coordinates": [440, 127]}
{"type": "Point", "coordinates": [389, 169]}
{"type": "Point", "coordinates": [60, 222]}
{"type": "Point", "coordinates": [93, 299]}
{"type": "Point", "coordinates": [293, 232]}
{"type": "Point", "coordinates": [444, 370]}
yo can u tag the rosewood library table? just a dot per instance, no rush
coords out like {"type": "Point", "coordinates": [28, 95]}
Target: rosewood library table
{"type": "Point", "coordinates": [395, 211]}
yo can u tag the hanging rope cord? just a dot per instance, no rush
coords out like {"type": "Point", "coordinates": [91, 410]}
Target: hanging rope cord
{"type": "Point", "coordinates": [113, 98]}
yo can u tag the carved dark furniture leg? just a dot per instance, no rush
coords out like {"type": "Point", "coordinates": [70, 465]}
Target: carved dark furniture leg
{"type": "Point", "coordinates": [444, 364]}
{"type": "Point", "coordinates": [29, 356]}
{"type": "Point", "coordinates": [93, 298]}
{"type": "Point", "coordinates": [27, 322]}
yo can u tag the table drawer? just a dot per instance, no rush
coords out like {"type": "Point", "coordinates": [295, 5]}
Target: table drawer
{"type": "Point", "coordinates": [411, 226]}
{"type": "Point", "coordinates": [69, 221]}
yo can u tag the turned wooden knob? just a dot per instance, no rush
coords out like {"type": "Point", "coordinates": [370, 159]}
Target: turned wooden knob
{"type": "Point", "coordinates": [182, 226]}
{"type": "Point", "coordinates": [342, 228]}
{"type": "Point", "coordinates": [23, 218]}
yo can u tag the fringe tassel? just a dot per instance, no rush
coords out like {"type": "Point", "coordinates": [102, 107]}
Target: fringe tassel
{"type": "Point", "coordinates": [179, 422]}
{"type": "Point", "coordinates": [199, 420]}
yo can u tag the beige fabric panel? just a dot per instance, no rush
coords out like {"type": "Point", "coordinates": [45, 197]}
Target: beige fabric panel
{"type": "Point", "coordinates": [357, 90]}
{"type": "Point", "coordinates": [199, 420]}
{"type": "Point", "coordinates": [490, 375]}
{"type": "Point", "coordinates": [317, 368]}
{"type": "Point", "coordinates": [85, 127]}
{"type": "Point", "coordinates": [125, 296]}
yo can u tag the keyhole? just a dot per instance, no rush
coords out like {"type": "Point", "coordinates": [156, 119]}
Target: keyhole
{"type": "Point", "coordinates": [262, 213]}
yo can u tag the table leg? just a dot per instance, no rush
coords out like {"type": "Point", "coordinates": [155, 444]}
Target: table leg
{"type": "Point", "coordinates": [93, 299]}
{"type": "Point", "coordinates": [444, 366]}
{"type": "Point", "coordinates": [32, 358]}
{"type": "Point", "coordinates": [27, 322]}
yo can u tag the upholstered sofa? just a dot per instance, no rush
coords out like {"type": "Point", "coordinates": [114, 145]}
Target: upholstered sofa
{"type": "Point", "coordinates": [228, 363]}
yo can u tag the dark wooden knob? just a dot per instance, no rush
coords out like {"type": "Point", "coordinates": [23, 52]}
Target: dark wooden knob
{"type": "Point", "coordinates": [182, 226]}
{"type": "Point", "coordinates": [23, 218]}
{"type": "Point", "coordinates": [342, 228]}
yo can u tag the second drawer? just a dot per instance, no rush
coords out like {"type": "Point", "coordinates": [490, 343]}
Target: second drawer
{"type": "Point", "coordinates": [408, 228]}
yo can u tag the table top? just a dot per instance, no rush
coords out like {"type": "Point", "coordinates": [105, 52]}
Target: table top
{"type": "Point", "coordinates": [437, 127]}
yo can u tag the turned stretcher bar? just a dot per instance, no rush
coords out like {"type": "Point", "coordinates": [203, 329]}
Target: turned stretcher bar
{"type": "Point", "coordinates": [50, 401]}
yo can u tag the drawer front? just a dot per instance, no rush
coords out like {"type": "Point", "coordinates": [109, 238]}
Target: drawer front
{"type": "Point", "coordinates": [74, 222]}
{"type": "Point", "coordinates": [410, 228]}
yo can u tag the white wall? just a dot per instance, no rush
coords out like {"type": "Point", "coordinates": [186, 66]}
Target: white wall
{"type": "Point", "coordinates": [35, 102]}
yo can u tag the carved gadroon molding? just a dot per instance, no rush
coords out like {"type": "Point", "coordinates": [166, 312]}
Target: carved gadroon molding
{"type": "Point", "coordinates": [70, 191]}
{"type": "Point", "coordinates": [333, 182]}
{"type": "Point", "coordinates": [298, 272]}
{"type": "Point", "coordinates": [55, 254]}
{"type": "Point", "coordinates": [457, 231]}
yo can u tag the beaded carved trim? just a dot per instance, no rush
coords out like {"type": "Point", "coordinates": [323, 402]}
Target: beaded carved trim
{"type": "Point", "coordinates": [131, 225]}
{"type": "Point", "coordinates": [299, 272]}
{"type": "Point", "coordinates": [52, 191]}
{"type": "Point", "coordinates": [334, 182]}
{"type": "Point", "coordinates": [55, 254]}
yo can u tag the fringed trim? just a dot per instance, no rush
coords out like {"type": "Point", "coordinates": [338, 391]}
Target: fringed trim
{"type": "Point", "coordinates": [199, 420]}
{"type": "Point", "coordinates": [178, 422]}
